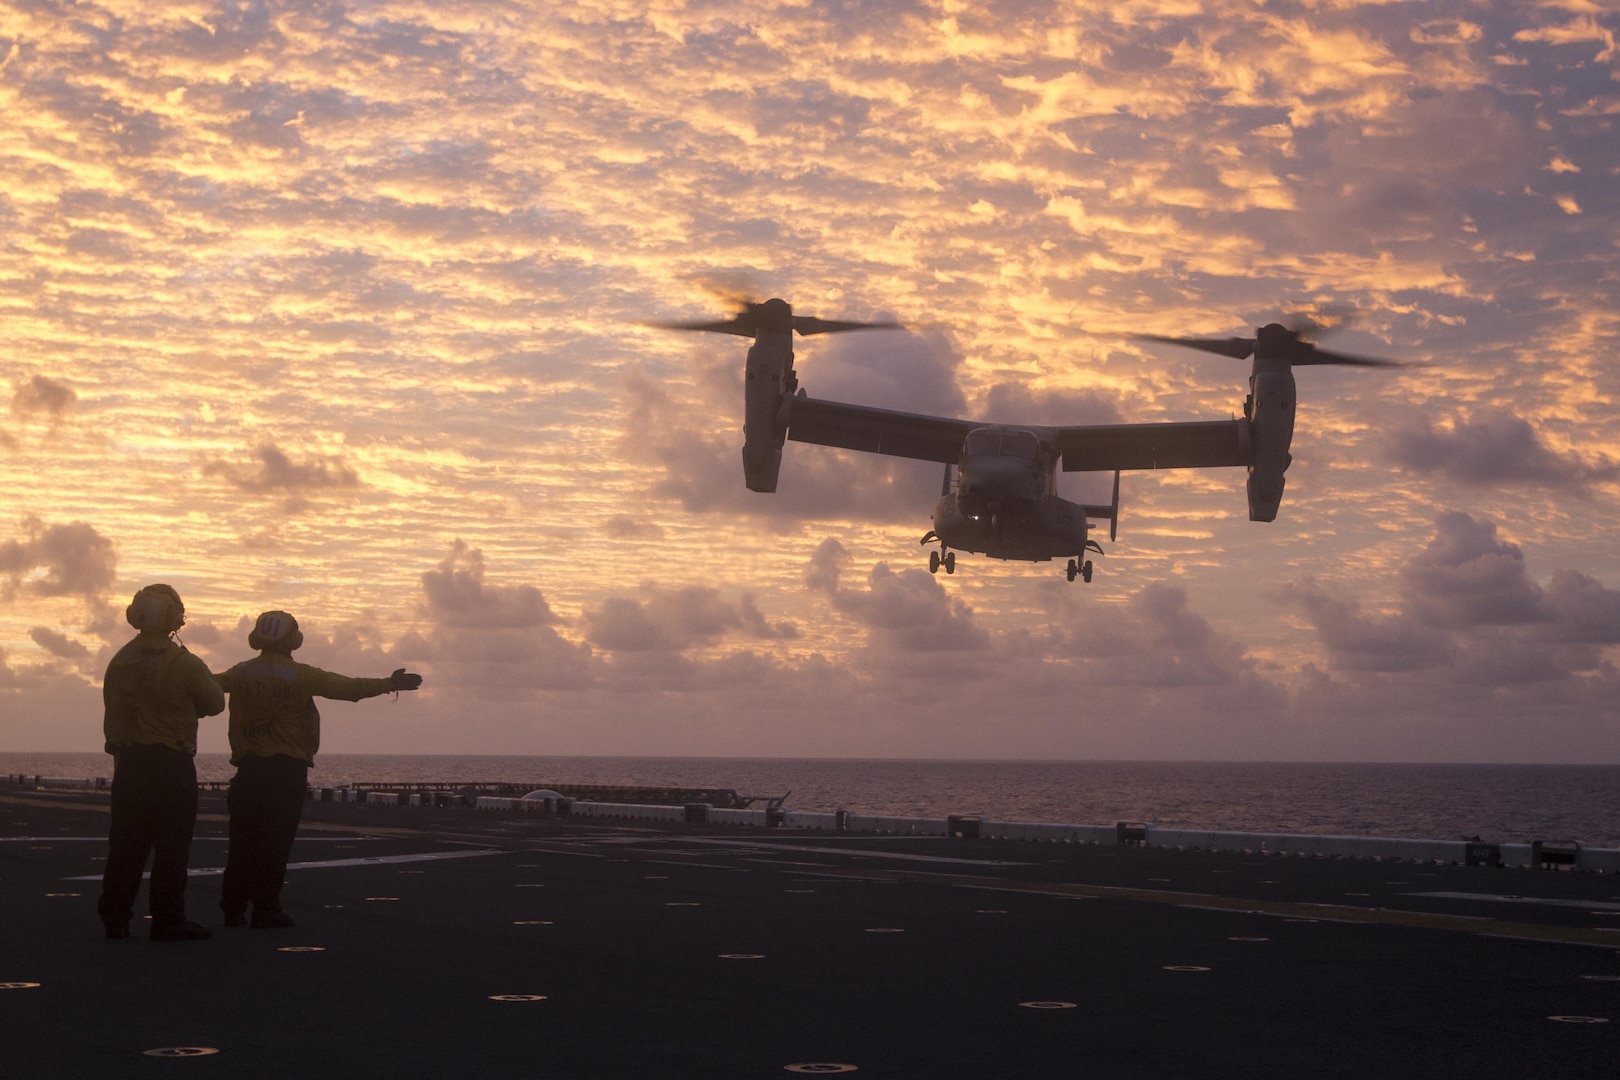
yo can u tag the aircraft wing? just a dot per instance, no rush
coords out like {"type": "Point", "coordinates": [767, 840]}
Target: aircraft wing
{"type": "Point", "coordinates": [1199, 445]}
{"type": "Point", "coordinates": [1102, 448]}
{"type": "Point", "coordinates": [876, 431]}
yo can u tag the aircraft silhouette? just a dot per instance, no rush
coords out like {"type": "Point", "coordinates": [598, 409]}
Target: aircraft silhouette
{"type": "Point", "coordinates": [1003, 502]}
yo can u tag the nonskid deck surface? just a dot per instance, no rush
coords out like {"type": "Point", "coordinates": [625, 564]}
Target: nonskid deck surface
{"type": "Point", "coordinates": [436, 942]}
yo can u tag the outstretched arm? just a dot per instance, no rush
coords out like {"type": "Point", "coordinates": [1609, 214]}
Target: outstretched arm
{"type": "Point", "coordinates": [327, 684]}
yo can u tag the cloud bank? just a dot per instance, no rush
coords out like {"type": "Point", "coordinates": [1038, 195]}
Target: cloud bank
{"type": "Point", "coordinates": [343, 310]}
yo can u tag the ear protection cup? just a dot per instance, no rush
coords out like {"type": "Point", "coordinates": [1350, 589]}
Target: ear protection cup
{"type": "Point", "coordinates": [156, 608]}
{"type": "Point", "coordinates": [276, 631]}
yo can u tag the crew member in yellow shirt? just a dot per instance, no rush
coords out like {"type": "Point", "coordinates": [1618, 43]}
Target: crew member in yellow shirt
{"type": "Point", "coordinates": [154, 693]}
{"type": "Point", "coordinates": [275, 730]}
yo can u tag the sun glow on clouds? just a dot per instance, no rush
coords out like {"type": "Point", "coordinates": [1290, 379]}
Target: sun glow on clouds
{"type": "Point", "coordinates": [338, 310]}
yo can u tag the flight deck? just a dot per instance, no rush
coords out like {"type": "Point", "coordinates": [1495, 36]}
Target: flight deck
{"type": "Point", "coordinates": [445, 940]}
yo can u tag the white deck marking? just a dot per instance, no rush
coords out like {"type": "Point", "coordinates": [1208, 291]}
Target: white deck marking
{"type": "Point", "coordinates": [85, 839]}
{"type": "Point", "coordinates": [327, 864]}
{"type": "Point", "coordinates": [222, 839]}
{"type": "Point", "coordinates": [1497, 898]}
{"type": "Point", "coordinates": [868, 853]}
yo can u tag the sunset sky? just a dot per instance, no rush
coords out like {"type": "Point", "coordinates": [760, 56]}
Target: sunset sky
{"type": "Point", "coordinates": [338, 308]}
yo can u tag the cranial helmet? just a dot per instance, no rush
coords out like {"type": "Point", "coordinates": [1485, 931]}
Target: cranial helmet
{"type": "Point", "coordinates": [276, 631]}
{"type": "Point", "coordinates": [157, 609]}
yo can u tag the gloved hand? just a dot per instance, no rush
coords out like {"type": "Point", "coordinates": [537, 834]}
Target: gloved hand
{"type": "Point", "coordinates": [405, 680]}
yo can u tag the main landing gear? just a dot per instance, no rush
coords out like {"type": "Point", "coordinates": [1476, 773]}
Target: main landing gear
{"type": "Point", "coordinates": [1081, 567]}
{"type": "Point", "coordinates": [942, 557]}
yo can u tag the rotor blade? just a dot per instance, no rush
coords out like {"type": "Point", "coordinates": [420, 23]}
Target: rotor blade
{"type": "Point", "coordinates": [1237, 348]}
{"type": "Point", "coordinates": [738, 325]}
{"type": "Point", "coordinates": [1323, 356]}
{"type": "Point", "coordinates": [809, 324]}
{"type": "Point", "coordinates": [747, 323]}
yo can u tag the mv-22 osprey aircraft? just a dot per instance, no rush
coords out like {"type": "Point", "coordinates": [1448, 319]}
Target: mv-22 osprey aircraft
{"type": "Point", "coordinates": [1004, 503]}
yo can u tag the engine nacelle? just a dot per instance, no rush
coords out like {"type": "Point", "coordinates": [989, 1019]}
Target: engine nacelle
{"type": "Point", "coordinates": [1271, 424]}
{"type": "Point", "coordinates": [768, 381]}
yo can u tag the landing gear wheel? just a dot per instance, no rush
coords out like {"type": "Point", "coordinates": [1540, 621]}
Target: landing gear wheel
{"type": "Point", "coordinates": [949, 562]}
{"type": "Point", "coordinates": [1074, 570]}
{"type": "Point", "coordinates": [1085, 572]}
{"type": "Point", "coordinates": [933, 562]}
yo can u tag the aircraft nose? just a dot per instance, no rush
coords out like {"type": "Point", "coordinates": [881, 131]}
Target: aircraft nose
{"type": "Point", "coordinates": [989, 475]}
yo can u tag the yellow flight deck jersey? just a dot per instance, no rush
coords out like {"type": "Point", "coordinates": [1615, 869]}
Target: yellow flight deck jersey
{"type": "Point", "coordinates": [154, 692]}
{"type": "Point", "coordinates": [273, 707]}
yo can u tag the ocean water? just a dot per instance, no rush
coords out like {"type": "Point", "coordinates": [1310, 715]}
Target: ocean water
{"type": "Point", "coordinates": [1506, 803]}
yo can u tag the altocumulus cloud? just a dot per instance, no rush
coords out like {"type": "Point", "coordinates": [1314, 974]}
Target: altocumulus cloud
{"type": "Point", "coordinates": [1471, 612]}
{"type": "Point", "coordinates": [494, 640]}
{"type": "Point", "coordinates": [673, 619]}
{"type": "Point", "coordinates": [275, 472]}
{"type": "Point", "coordinates": [40, 395]}
{"type": "Point", "coordinates": [908, 611]}
{"type": "Point", "coordinates": [458, 596]}
{"type": "Point", "coordinates": [503, 641]}
{"type": "Point", "coordinates": [1493, 446]}
{"type": "Point", "coordinates": [70, 559]}
{"type": "Point", "coordinates": [59, 645]}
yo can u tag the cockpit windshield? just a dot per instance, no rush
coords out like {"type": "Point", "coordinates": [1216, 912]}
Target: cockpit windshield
{"type": "Point", "coordinates": [983, 444]}
{"type": "Point", "coordinates": [1021, 445]}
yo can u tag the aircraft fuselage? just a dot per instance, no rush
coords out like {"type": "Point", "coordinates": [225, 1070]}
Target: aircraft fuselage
{"type": "Point", "coordinates": [1005, 505]}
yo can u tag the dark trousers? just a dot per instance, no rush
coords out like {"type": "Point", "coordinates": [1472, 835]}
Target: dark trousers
{"type": "Point", "coordinates": [154, 810]}
{"type": "Point", "coordinates": [266, 800]}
